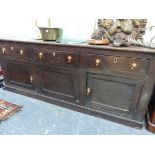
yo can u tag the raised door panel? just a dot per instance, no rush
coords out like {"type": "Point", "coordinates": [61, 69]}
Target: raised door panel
{"type": "Point", "coordinates": [18, 74]}
{"type": "Point", "coordinates": [59, 84]}
{"type": "Point", "coordinates": [115, 94]}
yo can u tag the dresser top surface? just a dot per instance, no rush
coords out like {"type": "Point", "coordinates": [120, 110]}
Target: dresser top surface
{"type": "Point", "coordinates": [82, 45]}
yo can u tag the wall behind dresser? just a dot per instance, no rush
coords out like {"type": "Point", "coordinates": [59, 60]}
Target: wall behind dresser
{"type": "Point", "coordinates": [77, 16]}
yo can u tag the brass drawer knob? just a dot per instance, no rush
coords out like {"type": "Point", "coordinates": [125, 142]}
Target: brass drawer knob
{"type": "Point", "coordinates": [40, 55]}
{"type": "Point", "coordinates": [69, 59]}
{"type": "Point", "coordinates": [21, 52]}
{"type": "Point", "coordinates": [3, 50]}
{"type": "Point", "coordinates": [11, 48]}
{"type": "Point", "coordinates": [97, 62]}
{"type": "Point", "coordinates": [133, 65]}
{"type": "Point", "coordinates": [31, 79]}
{"type": "Point", "coordinates": [53, 54]}
{"type": "Point", "coordinates": [88, 91]}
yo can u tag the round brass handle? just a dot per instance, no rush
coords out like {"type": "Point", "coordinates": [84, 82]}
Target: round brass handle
{"type": "Point", "coordinates": [3, 50]}
{"type": "Point", "coordinates": [11, 48]}
{"type": "Point", "coordinates": [133, 65]}
{"type": "Point", "coordinates": [31, 79]}
{"type": "Point", "coordinates": [40, 55]}
{"type": "Point", "coordinates": [97, 62]}
{"type": "Point", "coordinates": [88, 91]}
{"type": "Point", "coordinates": [69, 59]}
{"type": "Point", "coordinates": [21, 52]}
{"type": "Point", "coordinates": [53, 54]}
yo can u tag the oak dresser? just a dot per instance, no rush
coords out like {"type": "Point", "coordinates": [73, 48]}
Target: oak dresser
{"type": "Point", "coordinates": [114, 83]}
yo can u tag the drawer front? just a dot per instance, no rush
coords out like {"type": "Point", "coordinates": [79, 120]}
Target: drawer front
{"type": "Point", "coordinates": [113, 63]}
{"type": "Point", "coordinates": [21, 51]}
{"type": "Point", "coordinates": [57, 57]}
{"type": "Point", "coordinates": [126, 64]}
{"type": "Point", "coordinates": [5, 49]}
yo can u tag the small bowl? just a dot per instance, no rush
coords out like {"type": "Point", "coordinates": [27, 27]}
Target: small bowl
{"type": "Point", "coordinates": [98, 42]}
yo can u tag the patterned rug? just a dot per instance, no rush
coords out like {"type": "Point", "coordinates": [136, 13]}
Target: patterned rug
{"type": "Point", "coordinates": [7, 109]}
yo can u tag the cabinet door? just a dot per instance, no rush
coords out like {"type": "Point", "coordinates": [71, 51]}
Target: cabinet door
{"type": "Point", "coordinates": [59, 84]}
{"type": "Point", "coordinates": [115, 94]}
{"type": "Point", "coordinates": [18, 74]}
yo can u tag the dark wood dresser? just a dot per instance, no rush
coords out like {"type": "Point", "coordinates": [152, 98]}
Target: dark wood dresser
{"type": "Point", "coordinates": [104, 81]}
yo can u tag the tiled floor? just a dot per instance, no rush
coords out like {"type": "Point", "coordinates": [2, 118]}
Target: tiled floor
{"type": "Point", "coordinates": [39, 118]}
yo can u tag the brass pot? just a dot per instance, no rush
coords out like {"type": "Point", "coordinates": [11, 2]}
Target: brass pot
{"type": "Point", "coordinates": [52, 34]}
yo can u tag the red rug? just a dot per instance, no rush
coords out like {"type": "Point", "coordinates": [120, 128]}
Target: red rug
{"type": "Point", "coordinates": [7, 109]}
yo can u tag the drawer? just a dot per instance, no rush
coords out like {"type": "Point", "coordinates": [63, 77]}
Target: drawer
{"type": "Point", "coordinates": [5, 49]}
{"type": "Point", "coordinates": [57, 57]}
{"type": "Point", "coordinates": [21, 51]}
{"type": "Point", "coordinates": [126, 64]}
{"type": "Point", "coordinates": [113, 63]}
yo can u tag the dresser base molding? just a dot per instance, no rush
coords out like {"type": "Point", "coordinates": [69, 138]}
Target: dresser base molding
{"type": "Point", "coordinates": [75, 107]}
